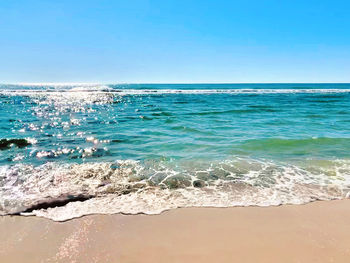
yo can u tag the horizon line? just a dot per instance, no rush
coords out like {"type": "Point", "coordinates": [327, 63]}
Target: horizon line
{"type": "Point", "coordinates": [154, 83]}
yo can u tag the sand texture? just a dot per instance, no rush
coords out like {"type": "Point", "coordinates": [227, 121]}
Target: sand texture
{"type": "Point", "coordinates": [316, 232]}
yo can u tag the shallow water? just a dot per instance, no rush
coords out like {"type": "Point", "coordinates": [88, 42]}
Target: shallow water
{"type": "Point", "coordinates": [67, 151]}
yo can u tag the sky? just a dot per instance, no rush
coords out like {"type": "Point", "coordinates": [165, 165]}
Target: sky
{"type": "Point", "coordinates": [182, 41]}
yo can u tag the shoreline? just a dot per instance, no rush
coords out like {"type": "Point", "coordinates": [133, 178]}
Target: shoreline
{"type": "Point", "coordinates": [313, 232]}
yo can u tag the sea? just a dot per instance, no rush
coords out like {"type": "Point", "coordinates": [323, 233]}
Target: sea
{"type": "Point", "coordinates": [69, 150]}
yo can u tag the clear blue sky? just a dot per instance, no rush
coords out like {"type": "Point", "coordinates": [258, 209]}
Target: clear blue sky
{"type": "Point", "coordinates": [174, 41]}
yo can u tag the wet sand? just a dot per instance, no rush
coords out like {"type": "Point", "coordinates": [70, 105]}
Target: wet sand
{"type": "Point", "coordinates": [316, 232]}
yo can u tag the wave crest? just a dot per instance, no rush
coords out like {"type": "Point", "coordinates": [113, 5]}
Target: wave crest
{"type": "Point", "coordinates": [62, 192]}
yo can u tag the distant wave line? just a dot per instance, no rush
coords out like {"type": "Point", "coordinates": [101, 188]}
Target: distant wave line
{"type": "Point", "coordinates": [105, 90]}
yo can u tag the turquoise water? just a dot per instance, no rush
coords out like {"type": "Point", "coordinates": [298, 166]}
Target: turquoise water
{"type": "Point", "coordinates": [148, 148]}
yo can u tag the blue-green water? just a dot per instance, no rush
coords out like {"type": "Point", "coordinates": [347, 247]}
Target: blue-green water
{"type": "Point", "coordinates": [147, 148]}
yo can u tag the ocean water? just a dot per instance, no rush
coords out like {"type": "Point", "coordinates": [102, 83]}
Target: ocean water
{"type": "Point", "coordinates": [68, 151]}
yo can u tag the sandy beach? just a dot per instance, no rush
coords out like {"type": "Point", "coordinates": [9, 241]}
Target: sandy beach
{"type": "Point", "coordinates": [316, 232]}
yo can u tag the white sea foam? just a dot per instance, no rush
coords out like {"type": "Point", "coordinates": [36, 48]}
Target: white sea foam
{"type": "Point", "coordinates": [130, 187]}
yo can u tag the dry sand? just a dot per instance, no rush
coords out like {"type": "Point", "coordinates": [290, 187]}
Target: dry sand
{"type": "Point", "coordinates": [316, 232]}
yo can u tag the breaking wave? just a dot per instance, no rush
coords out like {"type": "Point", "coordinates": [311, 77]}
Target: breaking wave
{"type": "Point", "coordinates": [61, 191]}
